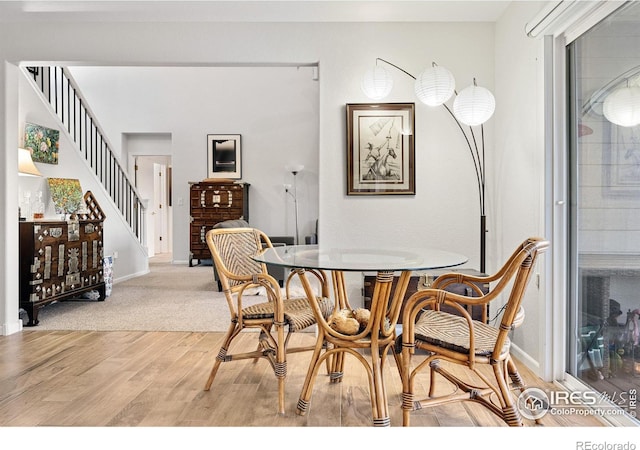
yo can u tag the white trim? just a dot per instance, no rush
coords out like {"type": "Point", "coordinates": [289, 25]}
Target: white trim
{"type": "Point", "coordinates": [569, 17]}
{"type": "Point", "coordinates": [543, 22]}
{"type": "Point", "coordinates": [591, 17]}
{"type": "Point", "coordinates": [131, 276]}
{"type": "Point", "coordinates": [559, 201]}
{"type": "Point", "coordinates": [11, 328]}
{"type": "Point", "coordinates": [530, 362]}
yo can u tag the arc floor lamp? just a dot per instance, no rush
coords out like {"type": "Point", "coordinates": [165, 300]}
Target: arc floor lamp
{"type": "Point", "coordinates": [472, 107]}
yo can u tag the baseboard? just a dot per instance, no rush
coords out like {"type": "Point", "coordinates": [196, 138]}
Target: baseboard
{"type": "Point", "coordinates": [525, 359]}
{"type": "Point", "coordinates": [129, 277]}
{"type": "Point", "coordinates": [179, 261]}
{"type": "Point", "coordinates": [11, 328]}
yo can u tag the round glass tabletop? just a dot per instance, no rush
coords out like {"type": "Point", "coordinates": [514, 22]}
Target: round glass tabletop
{"type": "Point", "coordinates": [359, 260]}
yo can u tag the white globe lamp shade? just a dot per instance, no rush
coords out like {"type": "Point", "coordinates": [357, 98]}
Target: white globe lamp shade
{"type": "Point", "coordinates": [377, 83]}
{"type": "Point", "coordinates": [435, 86]}
{"type": "Point", "coordinates": [622, 106]}
{"type": "Point", "coordinates": [474, 105]}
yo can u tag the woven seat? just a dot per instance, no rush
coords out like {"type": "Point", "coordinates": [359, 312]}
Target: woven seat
{"type": "Point", "coordinates": [232, 250]}
{"type": "Point", "coordinates": [457, 339]}
{"type": "Point", "coordinates": [451, 332]}
{"type": "Point", "coordinates": [297, 314]}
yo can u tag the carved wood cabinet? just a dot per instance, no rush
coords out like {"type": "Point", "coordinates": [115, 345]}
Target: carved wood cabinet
{"type": "Point", "coordinates": [59, 260]}
{"type": "Point", "coordinates": [212, 202]}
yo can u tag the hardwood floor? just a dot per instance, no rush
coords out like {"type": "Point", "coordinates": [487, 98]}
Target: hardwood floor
{"type": "Point", "coordinates": [156, 379]}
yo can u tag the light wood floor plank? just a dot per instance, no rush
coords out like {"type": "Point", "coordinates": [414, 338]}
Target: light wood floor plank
{"type": "Point", "coordinates": [143, 379]}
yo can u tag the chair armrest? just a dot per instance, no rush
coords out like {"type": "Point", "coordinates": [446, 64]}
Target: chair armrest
{"type": "Point", "coordinates": [470, 284]}
{"type": "Point", "coordinates": [281, 240]}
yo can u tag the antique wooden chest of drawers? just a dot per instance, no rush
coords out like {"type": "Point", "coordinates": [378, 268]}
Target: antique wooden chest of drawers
{"type": "Point", "coordinates": [212, 202]}
{"type": "Point", "coordinates": [419, 282]}
{"type": "Point", "coordinates": [59, 260]}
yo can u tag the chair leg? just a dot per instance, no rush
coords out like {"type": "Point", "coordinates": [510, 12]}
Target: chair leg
{"type": "Point", "coordinates": [280, 366]}
{"type": "Point", "coordinates": [404, 364]}
{"type": "Point", "coordinates": [314, 366]}
{"type": "Point", "coordinates": [510, 413]}
{"type": "Point", "coordinates": [281, 374]}
{"type": "Point", "coordinates": [214, 370]}
{"type": "Point", "coordinates": [517, 381]}
{"type": "Point", "coordinates": [433, 368]}
{"type": "Point", "coordinates": [222, 353]}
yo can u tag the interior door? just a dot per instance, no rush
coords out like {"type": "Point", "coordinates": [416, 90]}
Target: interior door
{"type": "Point", "coordinates": [159, 207]}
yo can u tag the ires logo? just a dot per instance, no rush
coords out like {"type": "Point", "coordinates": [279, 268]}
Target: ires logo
{"type": "Point", "coordinates": [534, 403]}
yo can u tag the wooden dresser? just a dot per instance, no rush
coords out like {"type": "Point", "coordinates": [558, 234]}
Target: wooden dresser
{"type": "Point", "coordinates": [213, 201]}
{"type": "Point", "coordinates": [60, 260]}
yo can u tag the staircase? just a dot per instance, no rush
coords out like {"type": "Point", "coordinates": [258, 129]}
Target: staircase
{"type": "Point", "coordinates": [59, 89]}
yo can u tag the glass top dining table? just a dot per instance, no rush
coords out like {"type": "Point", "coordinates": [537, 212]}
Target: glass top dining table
{"type": "Point", "coordinates": [378, 336]}
{"type": "Point", "coordinates": [359, 260]}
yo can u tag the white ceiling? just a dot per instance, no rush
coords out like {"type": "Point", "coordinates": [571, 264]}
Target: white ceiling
{"type": "Point", "coordinates": [253, 10]}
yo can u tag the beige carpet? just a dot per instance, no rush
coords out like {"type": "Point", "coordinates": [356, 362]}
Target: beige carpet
{"type": "Point", "coordinates": [169, 298]}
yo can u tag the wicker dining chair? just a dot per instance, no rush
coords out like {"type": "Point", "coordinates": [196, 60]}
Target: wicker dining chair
{"type": "Point", "coordinates": [232, 250]}
{"type": "Point", "coordinates": [448, 337]}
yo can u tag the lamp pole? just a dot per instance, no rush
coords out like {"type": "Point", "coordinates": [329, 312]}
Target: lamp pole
{"type": "Point", "coordinates": [295, 201]}
{"type": "Point", "coordinates": [477, 155]}
{"type": "Point", "coordinates": [295, 169]}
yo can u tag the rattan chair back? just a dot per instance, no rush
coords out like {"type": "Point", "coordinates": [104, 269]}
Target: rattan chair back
{"type": "Point", "coordinates": [232, 250]}
{"type": "Point", "coordinates": [458, 339]}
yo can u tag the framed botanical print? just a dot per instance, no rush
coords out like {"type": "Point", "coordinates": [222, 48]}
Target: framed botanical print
{"type": "Point", "coordinates": [380, 149]}
{"type": "Point", "coordinates": [224, 156]}
{"type": "Point", "coordinates": [42, 142]}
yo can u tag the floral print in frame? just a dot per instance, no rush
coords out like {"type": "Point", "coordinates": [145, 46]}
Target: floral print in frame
{"type": "Point", "coordinates": [42, 142]}
{"type": "Point", "coordinates": [66, 194]}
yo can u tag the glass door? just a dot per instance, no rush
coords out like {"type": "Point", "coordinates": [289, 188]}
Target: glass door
{"type": "Point", "coordinates": [604, 105]}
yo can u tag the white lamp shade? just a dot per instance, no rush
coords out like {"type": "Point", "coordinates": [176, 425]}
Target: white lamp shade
{"type": "Point", "coordinates": [622, 106]}
{"type": "Point", "coordinates": [377, 83]}
{"type": "Point", "coordinates": [26, 167]}
{"type": "Point", "coordinates": [294, 168]}
{"type": "Point", "coordinates": [474, 105]}
{"type": "Point", "coordinates": [435, 86]}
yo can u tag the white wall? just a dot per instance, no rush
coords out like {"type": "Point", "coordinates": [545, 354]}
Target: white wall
{"type": "Point", "coordinates": [274, 109]}
{"type": "Point", "coordinates": [444, 212]}
{"type": "Point", "coordinates": [517, 176]}
{"type": "Point", "coordinates": [9, 322]}
{"type": "Point", "coordinates": [344, 52]}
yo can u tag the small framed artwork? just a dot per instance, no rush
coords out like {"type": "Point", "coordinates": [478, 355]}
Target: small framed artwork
{"type": "Point", "coordinates": [224, 156]}
{"type": "Point", "coordinates": [43, 143]}
{"type": "Point", "coordinates": [380, 149]}
{"type": "Point", "coordinates": [66, 194]}
{"type": "Point", "coordinates": [621, 161]}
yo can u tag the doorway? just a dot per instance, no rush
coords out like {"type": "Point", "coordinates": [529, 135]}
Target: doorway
{"type": "Point", "coordinates": [149, 158]}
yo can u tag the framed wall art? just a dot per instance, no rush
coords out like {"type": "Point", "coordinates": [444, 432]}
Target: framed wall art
{"type": "Point", "coordinates": [67, 196]}
{"type": "Point", "coordinates": [621, 161]}
{"type": "Point", "coordinates": [43, 143]}
{"type": "Point", "coordinates": [224, 156]}
{"type": "Point", "coordinates": [380, 149]}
